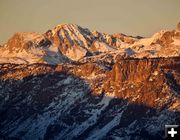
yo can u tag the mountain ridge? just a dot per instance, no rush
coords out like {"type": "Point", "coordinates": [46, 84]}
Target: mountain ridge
{"type": "Point", "coordinates": [73, 42]}
{"type": "Point", "coordinates": [70, 83]}
{"type": "Point", "coordinates": [88, 101]}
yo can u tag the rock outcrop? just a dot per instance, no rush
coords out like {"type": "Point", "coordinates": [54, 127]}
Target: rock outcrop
{"type": "Point", "coordinates": [144, 80]}
{"type": "Point", "coordinates": [77, 101]}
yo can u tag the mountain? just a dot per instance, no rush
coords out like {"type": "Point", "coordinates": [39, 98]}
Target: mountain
{"type": "Point", "coordinates": [70, 83]}
{"type": "Point", "coordinates": [70, 42]}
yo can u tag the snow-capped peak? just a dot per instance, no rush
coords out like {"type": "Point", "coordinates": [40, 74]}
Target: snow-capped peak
{"type": "Point", "coordinates": [72, 42]}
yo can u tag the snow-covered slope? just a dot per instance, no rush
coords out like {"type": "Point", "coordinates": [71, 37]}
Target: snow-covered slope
{"type": "Point", "coordinates": [30, 48]}
{"type": "Point", "coordinates": [70, 42]}
{"type": "Point", "coordinates": [161, 44]}
{"type": "Point", "coordinates": [133, 99]}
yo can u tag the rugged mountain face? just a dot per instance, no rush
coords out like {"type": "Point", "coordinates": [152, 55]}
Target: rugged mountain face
{"type": "Point", "coordinates": [87, 101]}
{"type": "Point", "coordinates": [69, 42]}
{"type": "Point", "coordinates": [71, 83]}
{"type": "Point", "coordinates": [30, 48]}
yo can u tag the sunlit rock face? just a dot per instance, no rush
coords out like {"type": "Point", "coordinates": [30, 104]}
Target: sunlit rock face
{"type": "Point", "coordinates": [67, 43]}
{"type": "Point", "coordinates": [134, 98]}
{"type": "Point", "coordinates": [147, 79]}
{"type": "Point", "coordinates": [71, 83]}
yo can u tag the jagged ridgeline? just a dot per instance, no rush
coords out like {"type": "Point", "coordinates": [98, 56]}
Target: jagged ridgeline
{"type": "Point", "coordinates": [67, 43]}
{"type": "Point", "coordinates": [70, 83]}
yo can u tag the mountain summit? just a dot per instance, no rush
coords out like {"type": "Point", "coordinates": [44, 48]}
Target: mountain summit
{"type": "Point", "coordinates": [70, 42]}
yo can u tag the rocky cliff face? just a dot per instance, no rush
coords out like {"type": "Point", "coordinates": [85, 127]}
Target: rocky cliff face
{"type": "Point", "coordinates": [70, 83]}
{"type": "Point", "coordinates": [147, 79]}
{"type": "Point", "coordinates": [134, 98]}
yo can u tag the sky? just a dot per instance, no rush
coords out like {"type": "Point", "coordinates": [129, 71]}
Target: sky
{"type": "Point", "coordinates": [131, 17]}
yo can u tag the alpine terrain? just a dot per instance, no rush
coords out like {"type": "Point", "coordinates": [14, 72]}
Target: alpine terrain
{"type": "Point", "coordinates": [71, 83]}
